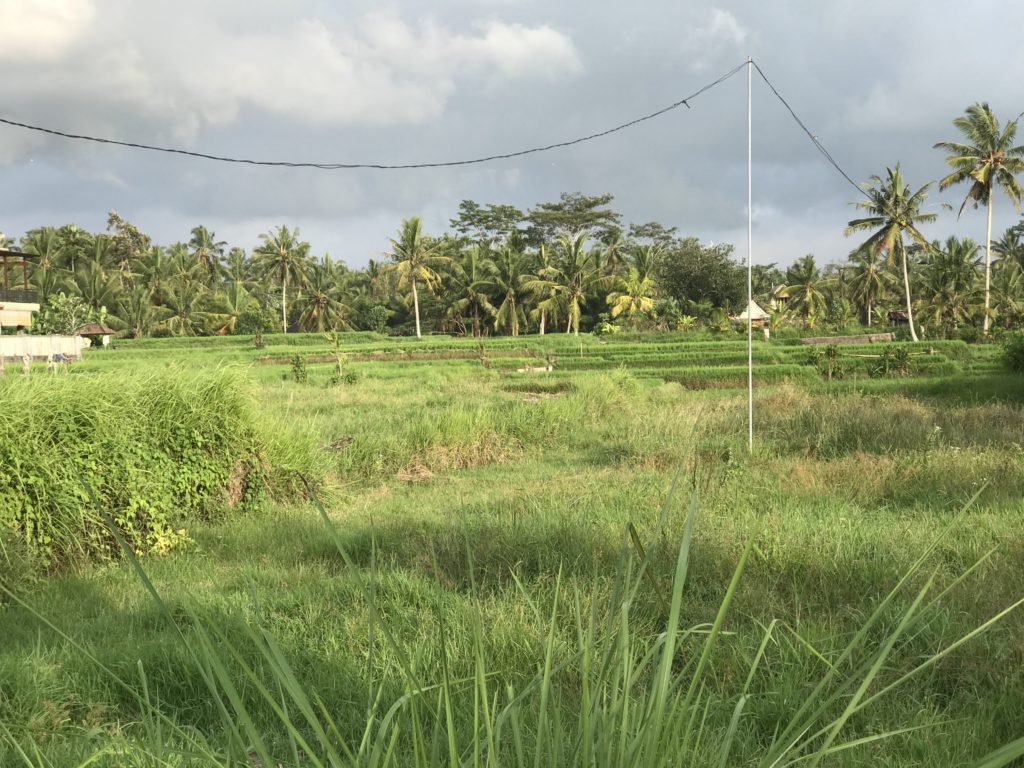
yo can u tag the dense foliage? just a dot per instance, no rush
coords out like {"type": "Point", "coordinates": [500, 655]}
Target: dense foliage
{"type": "Point", "coordinates": [567, 266]}
{"type": "Point", "coordinates": [157, 450]}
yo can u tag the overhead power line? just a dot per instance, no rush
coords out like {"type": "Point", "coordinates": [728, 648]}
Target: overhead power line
{"type": "Point", "coordinates": [814, 139]}
{"type": "Point", "coordinates": [382, 166]}
{"type": "Point", "coordinates": [683, 102]}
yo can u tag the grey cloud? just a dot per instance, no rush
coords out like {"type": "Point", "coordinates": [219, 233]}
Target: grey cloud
{"type": "Point", "coordinates": [404, 82]}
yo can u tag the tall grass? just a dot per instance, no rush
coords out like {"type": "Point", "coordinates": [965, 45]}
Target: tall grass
{"type": "Point", "coordinates": [160, 450]}
{"type": "Point", "coordinates": [607, 689]}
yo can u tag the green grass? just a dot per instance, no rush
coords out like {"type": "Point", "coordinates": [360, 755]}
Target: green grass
{"type": "Point", "coordinates": [480, 546]}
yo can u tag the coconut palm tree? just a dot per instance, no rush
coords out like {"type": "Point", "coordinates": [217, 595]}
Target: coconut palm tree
{"type": "Point", "coordinates": [185, 314]}
{"type": "Point", "coordinates": [157, 269]}
{"type": "Point", "coordinates": [644, 259]}
{"type": "Point", "coordinates": [806, 288]}
{"type": "Point", "coordinates": [417, 258]}
{"type": "Point", "coordinates": [47, 277]}
{"type": "Point", "coordinates": [948, 282]}
{"type": "Point", "coordinates": [208, 252]}
{"type": "Point", "coordinates": [97, 287]}
{"type": "Point", "coordinates": [511, 275]}
{"type": "Point", "coordinates": [74, 244]}
{"type": "Point", "coordinates": [136, 310]}
{"type": "Point", "coordinates": [322, 305]}
{"type": "Point", "coordinates": [987, 160]}
{"type": "Point", "coordinates": [895, 213]}
{"type": "Point", "coordinates": [228, 305]}
{"type": "Point", "coordinates": [869, 281]}
{"type": "Point", "coordinates": [1010, 250]}
{"type": "Point", "coordinates": [572, 276]}
{"type": "Point", "coordinates": [283, 258]}
{"type": "Point", "coordinates": [472, 274]}
{"type": "Point", "coordinates": [633, 298]}
{"type": "Point", "coordinates": [544, 291]}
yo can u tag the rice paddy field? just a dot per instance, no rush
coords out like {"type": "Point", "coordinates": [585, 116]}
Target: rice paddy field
{"type": "Point", "coordinates": [447, 554]}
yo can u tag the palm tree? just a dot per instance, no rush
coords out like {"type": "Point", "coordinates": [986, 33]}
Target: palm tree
{"type": "Point", "coordinates": [283, 258]}
{"type": "Point", "coordinates": [157, 269]}
{"type": "Point", "coordinates": [948, 282]}
{"type": "Point", "coordinates": [47, 276]}
{"type": "Point", "coordinates": [1010, 250]}
{"type": "Point", "coordinates": [207, 251]}
{"type": "Point", "coordinates": [644, 259]}
{"type": "Point", "coordinates": [510, 278]}
{"type": "Point", "coordinates": [572, 276]}
{"type": "Point", "coordinates": [135, 309]}
{"type": "Point", "coordinates": [74, 244]}
{"type": "Point", "coordinates": [471, 275]}
{"type": "Point", "coordinates": [895, 212]}
{"type": "Point", "coordinates": [184, 307]}
{"type": "Point", "coordinates": [805, 284]}
{"type": "Point", "coordinates": [416, 258]}
{"type": "Point", "coordinates": [227, 306]}
{"type": "Point", "coordinates": [322, 307]}
{"type": "Point", "coordinates": [96, 286]}
{"type": "Point", "coordinates": [987, 160]}
{"type": "Point", "coordinates": [869, 282]}
{"type": "Point", "coordinates": [544, 291]}
{"type": "Point", "coordinates": [633, 298]}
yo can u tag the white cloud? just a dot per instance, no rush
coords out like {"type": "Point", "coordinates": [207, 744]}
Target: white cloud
{"type": "Point", "coordinates": [380, 70]}
{"type": "Point", "coordinates": [719, 31]}
{"type": "Point", "coordinates": [42, 29]}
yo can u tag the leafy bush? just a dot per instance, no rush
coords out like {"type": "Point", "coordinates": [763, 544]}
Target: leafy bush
{"type": "Point", "coordinates": [299, 369]}
{"type": "Point", "coordinates": [156, 451]}
{"type": "Point", "coordinates": [1013, 350]}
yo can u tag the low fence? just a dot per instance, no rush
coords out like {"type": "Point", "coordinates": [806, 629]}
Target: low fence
{"type": "Point", "coordinates": [39, 348]}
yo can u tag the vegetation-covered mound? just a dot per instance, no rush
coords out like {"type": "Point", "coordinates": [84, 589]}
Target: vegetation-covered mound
{"type": "Point", "coordinates": [150, 451]}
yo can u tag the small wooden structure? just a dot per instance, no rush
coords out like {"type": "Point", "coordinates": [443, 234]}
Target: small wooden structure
{"type": "Point", "coordinates": [95, 330]}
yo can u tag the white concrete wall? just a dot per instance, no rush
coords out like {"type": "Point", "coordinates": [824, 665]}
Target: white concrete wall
{"type": "Point", "coordinates": [40, 347]}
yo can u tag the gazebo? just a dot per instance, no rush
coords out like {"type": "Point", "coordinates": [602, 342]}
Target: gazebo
{"type": "Point", "coordinates": [757, 316]}
{"type": "Point", "coordinates": [92, 330]}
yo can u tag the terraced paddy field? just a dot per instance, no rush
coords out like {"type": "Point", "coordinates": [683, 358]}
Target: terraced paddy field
{"type": "Point", "coordinates": [448, 557]}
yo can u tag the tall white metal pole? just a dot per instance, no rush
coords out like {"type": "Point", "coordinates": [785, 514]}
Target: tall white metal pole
{"type": "Point", "coordinates": [750, 263]}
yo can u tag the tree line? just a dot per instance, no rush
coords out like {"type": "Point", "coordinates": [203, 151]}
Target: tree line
{"type": "Point", "coordinates": [569, 265]}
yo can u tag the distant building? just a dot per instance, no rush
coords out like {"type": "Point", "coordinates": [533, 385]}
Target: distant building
{"type": "Point", "coordinates": [17, 300]}
{"type": "Point", "coordinates": [780, 297]}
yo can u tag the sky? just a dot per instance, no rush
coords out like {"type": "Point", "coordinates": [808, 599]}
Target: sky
{"type": "Point", "coordinates": [406, 81]}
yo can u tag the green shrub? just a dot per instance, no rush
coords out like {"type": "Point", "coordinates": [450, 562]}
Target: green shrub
{"type": "Point", "coordinates": [156, 451]}
{"type": "Point", "coordinates": [299, 369]}
{"type": "Point", "coordinates": [1013, 350]}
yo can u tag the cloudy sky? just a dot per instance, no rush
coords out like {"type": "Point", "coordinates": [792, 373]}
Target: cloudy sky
{"type": "Point", "coordinates": [397, 81]}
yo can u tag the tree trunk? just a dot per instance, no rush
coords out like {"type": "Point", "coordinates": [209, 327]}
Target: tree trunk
{"type": "Point", "coordinates": [906, 286]}
{"type": "Point", "coordinates": [284, 302]}
{"type": "Point", "coordinates": [988, 265]}
{"type": "Point", "coordinates": [869, 313]}
{"type": "Point", "coordinates": [476, 322]}
{"type": "Point", "coordinates": [543, 320]}
{"type": "Point", "coordinates": [416, 308]}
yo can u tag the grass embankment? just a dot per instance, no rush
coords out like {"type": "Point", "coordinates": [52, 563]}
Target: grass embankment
{"type": "Point", "coordinates": [467, 500]}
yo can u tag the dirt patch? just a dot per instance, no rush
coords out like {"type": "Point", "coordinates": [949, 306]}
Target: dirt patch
{"type": "Point", "coordinates": [414, 472]}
